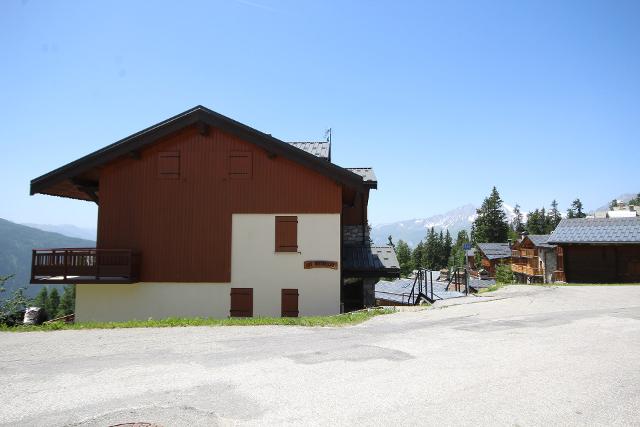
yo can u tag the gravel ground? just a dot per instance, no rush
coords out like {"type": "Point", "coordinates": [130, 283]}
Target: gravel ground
{"type": "Point", "coordinates": [527, 356]}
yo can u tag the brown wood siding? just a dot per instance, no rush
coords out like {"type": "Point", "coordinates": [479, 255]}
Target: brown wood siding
{"type": "Point", "coordinates": [290, 303]}
{"type": "Point", "coordinates": [286, 238]}
{"type": "Point", "coordinates": [241, 302]}
{"type": "Point", "coordinates": [354, 211]}
{"type": "Point", "coordinates": [182, 227]}
{"type": "Point", "coordinates": [601, 263]}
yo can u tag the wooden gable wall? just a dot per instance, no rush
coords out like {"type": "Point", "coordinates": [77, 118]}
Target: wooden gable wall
{"type": "Point", "coordinates": [178, 214]}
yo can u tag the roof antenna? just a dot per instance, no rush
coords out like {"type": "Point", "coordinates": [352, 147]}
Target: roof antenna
{"type": "Point", "coordinates": [327, 135]}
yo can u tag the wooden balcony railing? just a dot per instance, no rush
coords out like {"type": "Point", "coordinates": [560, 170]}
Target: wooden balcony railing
{"type": "Point", "coordinates": [526, 269]}
{"type": "Point", "coordinates": [84, 265]}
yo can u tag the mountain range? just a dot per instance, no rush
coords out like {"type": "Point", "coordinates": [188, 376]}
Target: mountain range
{"type": "Point", "coordinates": [16, 244]}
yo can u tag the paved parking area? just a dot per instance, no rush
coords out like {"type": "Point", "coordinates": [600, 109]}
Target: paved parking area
{"type": "Point", "coordinates": [529, 356]}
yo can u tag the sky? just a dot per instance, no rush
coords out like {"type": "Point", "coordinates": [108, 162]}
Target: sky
{"type": "Point", "coordinates": [444, 99]}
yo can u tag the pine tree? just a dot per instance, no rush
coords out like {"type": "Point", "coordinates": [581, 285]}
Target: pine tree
{"type": "Point", "coordinates": [67, 303]}
{"type": "Point", "coordinates": [418, 255]}
{"type": "Point", "coordinates": [491, 224]}
{"type": "Point", "coordinates": [403, 252]}
{"type": "Point", "coordinates": [516, 224]}
{"type": "Point", "coordinates": [554, 216]}
{"type": "Point", "coordinates": [430, 250]}
{"type": "Point", "coordinates": [635, 201]}
{"type": "Point", "coordinates": [613, 204]}
{"type": "Point", "coordinates": [576, 210]}
{"type": "Point", "coordinates": [447, 248]}
{"type": "Point", "coordinates": [53, 303]}
{"type": "Point", "coordinates": [42, 298]}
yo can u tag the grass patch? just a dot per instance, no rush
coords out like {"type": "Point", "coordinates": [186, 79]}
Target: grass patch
{"type": "Point", "coordinates": [345, 319]}
{"type": "Point", "coordinates": [494, 287]}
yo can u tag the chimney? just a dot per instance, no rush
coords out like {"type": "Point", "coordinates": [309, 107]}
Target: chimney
{"type": "Point", "coordinates": [523, 235]}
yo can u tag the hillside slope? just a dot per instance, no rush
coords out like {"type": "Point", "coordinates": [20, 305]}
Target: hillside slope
{"type": "Point", "coordinates": [16, 243]}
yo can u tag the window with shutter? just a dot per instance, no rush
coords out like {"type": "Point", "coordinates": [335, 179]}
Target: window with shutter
{"type": "Point", "coordinates": [289, 303]}
{"type": "Point", "coordinates": [241, 302]}
{"type": "Point", "coordinates": [169, 164]}
{"type": "Point", "coordinates": [240, 165]}
{"type": "Point", "coordinates": [286, 234]}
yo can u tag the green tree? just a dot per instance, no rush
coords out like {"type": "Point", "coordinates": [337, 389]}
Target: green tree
{"type": "Point", "coordinates": [42, 298]}
{"type": "Point", "coordinates": [447, 248]}
{"type": "Point", "coordinates": [53, 303]}
{"type": "Point", "coordinates": [491, 224]}
{"type": "Point", "coordinates": [67, 302]}
{"type": "Point", "coordinates": [613, 204]}
{"type": "Point", "coordinates": [430, 250]}
{"type": "Point", "coordinates": [418, 255]}
{"type": "Point", "coordinates": [11, 308]}
{"type": "Point", "coordinates": [403, 252]}
{"type": "Point", "coordinates": [554, 217]}
{"type": "Point", "coordinates": [635, 201]}
{"type": "Point", "coordinates": [575, 211]}
{"type": "Point", "coordinates": [504, 274]}
{"type": "Point", "coordinates": [516, 224]}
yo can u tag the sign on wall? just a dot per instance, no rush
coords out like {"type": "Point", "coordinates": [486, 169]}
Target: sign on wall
{"type": "Point", "coordinates": [321, 264]}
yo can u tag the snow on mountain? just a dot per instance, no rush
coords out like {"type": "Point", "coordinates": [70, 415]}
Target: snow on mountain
{"type": "Point", "coordinates": [414, 230]}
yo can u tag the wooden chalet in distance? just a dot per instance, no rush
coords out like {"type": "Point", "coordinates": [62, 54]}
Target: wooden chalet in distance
{"type": "Point", "coordinates": [493, 254]}
{"type": "Point", "coordinates": [534, 260]}
{"type": "Point", "coordinates": [598, 250]}
{"type": "Point", "coordinates": [200, 215]}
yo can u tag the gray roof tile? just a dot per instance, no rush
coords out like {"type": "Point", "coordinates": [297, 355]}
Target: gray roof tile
{"type": "Point", "coordinates": [495, 250]}
{"type": "Point", "coordinates": [597, 230]}
{"type": "Point", "coordinates": [320, 149]}
{"type": "Point", "coordinates": [367, 174]}
{"type": "Point", "coordinates": [370, 259]}
{"type": "Point", "coordinates": [540, 240]}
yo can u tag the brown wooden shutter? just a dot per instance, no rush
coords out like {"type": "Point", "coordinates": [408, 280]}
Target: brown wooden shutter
{"type": "Point", "coordinates": [289, 303]}
{"type": "Point", "coordinates": [169, 164]}
{"type": "Point", "coordinates": [286, 234]}
{"type": "Point", "coordinates": [241, 302]}
{"type": "Point", "coordinates": [240, 165]}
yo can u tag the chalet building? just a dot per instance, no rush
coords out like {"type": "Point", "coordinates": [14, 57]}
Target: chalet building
{"type": "Point", "coordinates": [493, 254]}
{"type": "Point", "coordinates": [200, 215]}
{"type": "Point", "coordinates": [598, 250]}
{"type": "Point", "coordinates": [533, 259]}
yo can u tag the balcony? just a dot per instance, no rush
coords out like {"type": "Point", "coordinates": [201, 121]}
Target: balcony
{"type": "Point", "coordinates": [526, 269]}
{"type": "Point", "coordinates": [84, 265]}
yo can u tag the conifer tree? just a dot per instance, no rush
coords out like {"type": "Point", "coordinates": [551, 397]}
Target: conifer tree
{"type": "Point", "coordinates": [418, 255]}
{"type": "Point", "coordinates": [516, 224]}
{"type": "Point", "coordinates": [575, 211]}
{"type": "Point", "coordinates": [42, 298]}
{"type": "Point", "coordinates": [53, 303]}
{"type": "Point", "coordinates": [403, 252]}
{"type": "Point", "coordinates": [491, 224]}
{"type": "Point", "coordinates": [447, 248]}
{"type": "Point", "coordinates": [554, 216]}
{"type": "Point", "coordinates": [67, 302]}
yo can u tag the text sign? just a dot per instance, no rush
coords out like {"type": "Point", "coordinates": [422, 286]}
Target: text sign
{"type": "Point", "coordinates": [321, 264]}
{"type": "Point", "coordinates": [466, 246]}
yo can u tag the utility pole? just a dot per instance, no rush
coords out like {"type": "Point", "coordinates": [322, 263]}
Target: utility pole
{"type": "Point", "coordinates": [327, 135]}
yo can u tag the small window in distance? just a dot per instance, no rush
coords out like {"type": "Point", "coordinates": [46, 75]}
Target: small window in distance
{"type": "Point", "coordinates": [240, 165]}
{"type": "Point", "coordinates": [286, 234]}
{"type": "Point", "coordinates": [169, 164]}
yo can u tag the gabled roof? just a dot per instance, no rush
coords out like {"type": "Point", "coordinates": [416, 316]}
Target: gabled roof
{"type": "Point", "coordinates": [372, 261]}
{"type": "Point", "coordinates": [540, 240]}
{"type": "Point", "coordinates": [495, 250]}
{"type": "Point", "coordinates": [320, 149]}
{"type": "Point", "coordinates": [597, 230]}
{"type": "Point", "coordinates": [74, 173]}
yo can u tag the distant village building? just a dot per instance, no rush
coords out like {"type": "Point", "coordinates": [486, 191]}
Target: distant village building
{"type": "Point", "coordinates": [493, 254]}
{"type": "Point", "coordinates": [620, 210]}
{"type": "Point", "coordinates": [598, 250]}
{"type": "Point", "coordinates": [533, 259]}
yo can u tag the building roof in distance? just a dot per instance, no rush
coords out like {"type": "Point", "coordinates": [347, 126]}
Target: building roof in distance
{"type": "Point", "coordinates": [540, 240]}
{"type": "Point", "coordinates": [320, 149]}
{"type": "Point", "coordinates": [597, 230]}
{"type": "Point", "coordinates": [370, 261]}
{"type": "Point", "coordinates": [495, 250]}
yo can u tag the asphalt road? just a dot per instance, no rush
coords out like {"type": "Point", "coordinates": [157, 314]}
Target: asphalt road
{"type": "Point", "coordinates": [531, 356]}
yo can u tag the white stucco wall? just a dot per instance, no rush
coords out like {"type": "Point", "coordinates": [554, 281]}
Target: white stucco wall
{"type": "Point", "coordinates": [254, 264]}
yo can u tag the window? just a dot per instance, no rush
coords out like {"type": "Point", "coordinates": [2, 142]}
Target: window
{"type": "Point", "coordinates": [241, 302]}
{"type": "Point", "coordinates": [169, 164]}
{"type": "Point", "coordinates": [286, 234]}
{"type": "Point", "coordinates": [289, 303]}
{"type": "Point", "coordinates": [240, 165]}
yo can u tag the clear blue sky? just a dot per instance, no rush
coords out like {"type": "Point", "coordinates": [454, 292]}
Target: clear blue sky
{"type": "Point", "coordinates": [443, 99]}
